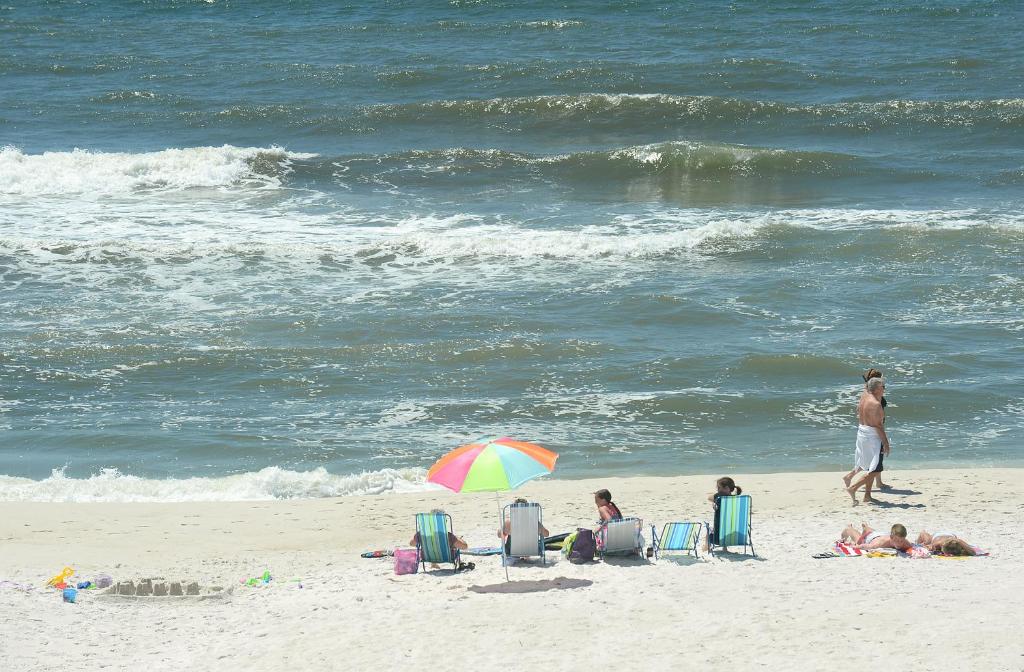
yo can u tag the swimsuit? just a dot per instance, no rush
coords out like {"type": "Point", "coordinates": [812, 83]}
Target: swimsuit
{"type": "Point", "coordinates": [868, 537]}
{"type": "Point", "coordinates": [869, 448]}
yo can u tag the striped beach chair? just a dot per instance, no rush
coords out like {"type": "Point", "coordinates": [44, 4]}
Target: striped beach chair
{"type": "Point", "coordinates": [732, 524]}
{"type": "Point", "coordinates": [621, 537]}
{"type": "Point", "coordinates": [432, 531]}
{"type": "Point", "coordinates": [677, 537]}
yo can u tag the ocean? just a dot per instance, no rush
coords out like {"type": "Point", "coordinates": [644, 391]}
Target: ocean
{"type": "Point", "coordinates": [294, 249]}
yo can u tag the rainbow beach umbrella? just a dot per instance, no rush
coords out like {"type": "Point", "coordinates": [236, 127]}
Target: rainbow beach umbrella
{"type": "Point", "coordinates": [492, 465]}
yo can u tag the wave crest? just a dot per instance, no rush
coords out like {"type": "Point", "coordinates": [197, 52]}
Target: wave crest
{"type": "Point", "coordinates": [602, 107]}
{"type": "Point", "coordinates": [109, 173]}
{"type": "Point", "coordinates": [110, 485]}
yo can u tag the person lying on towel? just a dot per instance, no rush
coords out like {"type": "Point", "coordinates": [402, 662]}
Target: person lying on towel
{"type": "Point", "coordinates": [946, 543]}
{"type": "Point", "coordinates": [868, 538]}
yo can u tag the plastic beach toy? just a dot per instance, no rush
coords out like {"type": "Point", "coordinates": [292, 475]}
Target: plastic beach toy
{"type": "Point", "coordinates": [260, 580]}
{"type": "Point", "coordinates": [70, 594]}
{"type": "Point", "coordinates": [63, 577]}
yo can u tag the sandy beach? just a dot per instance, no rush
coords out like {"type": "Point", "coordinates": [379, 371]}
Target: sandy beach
{"type": "Point", "coordinates": [783, 610]}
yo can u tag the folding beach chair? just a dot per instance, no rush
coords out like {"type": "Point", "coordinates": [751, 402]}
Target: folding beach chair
{"type": "Point", "coordinates": [677, 537]}
{"type": "Point", "coordinates": [433, 529]}
{"type": "Point", "coordinates": [620, 536]}
{"type": "Point", "coordinates": [524, 529]}
{"type": "Point", "coordinates": [732, 524]}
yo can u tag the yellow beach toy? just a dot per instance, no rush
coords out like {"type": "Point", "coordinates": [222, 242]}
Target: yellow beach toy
{"type": "Point", "coordinates": [63, 577]}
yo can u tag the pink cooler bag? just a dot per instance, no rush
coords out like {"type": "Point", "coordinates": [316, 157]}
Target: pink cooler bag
{"type": "Point", "coordinates": [407, 560]}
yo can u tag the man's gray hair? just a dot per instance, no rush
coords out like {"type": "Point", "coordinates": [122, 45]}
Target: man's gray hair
{"type": "Point", "coordinates": [874, 384]}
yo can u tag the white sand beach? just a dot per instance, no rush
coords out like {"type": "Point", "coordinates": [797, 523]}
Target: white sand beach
{"type": "Point", "coordinates": [783, 610]}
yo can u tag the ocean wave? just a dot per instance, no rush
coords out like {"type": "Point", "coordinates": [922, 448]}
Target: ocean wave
{"type": "Point", "coordinates": [334, 241]}
{"type": "Point", "coordinates": [110, 485]}
{"type": "Point", "coordinates": [112, 173]}
{"type": "Point", "coordinates": [667, 159]}
{"type": "Point", "coordinates": [599, 108]}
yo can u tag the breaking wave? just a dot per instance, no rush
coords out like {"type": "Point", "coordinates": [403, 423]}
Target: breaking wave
{"type": "Point", "coordinates": [110, 173]}
{"type": "Point", "coordinates": [110, 485]}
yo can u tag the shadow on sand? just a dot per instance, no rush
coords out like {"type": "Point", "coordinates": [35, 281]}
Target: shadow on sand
{"type": "Point", "coordinates": [535, 586]}
{"type": "Point", "coordinates": [738, 557]}
{"type": "Point", "coordinates": [882, 504]}
{"type": "Point", "coordinates": [895, 491]}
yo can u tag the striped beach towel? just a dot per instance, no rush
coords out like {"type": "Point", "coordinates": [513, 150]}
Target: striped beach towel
{"type": "Point", "coordinates": [847, 550]}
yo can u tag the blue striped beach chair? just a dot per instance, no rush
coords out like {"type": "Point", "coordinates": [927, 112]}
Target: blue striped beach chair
{"type": "Point", "coordinates": [621, 537]}
{"type": "Point", "coordinates": [732, 524]}
{"type": "Point", "coordinates": [432, 542]}
{"type": "Point", "coordinates": [677, 537]}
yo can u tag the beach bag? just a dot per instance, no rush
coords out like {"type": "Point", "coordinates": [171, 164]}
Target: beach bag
{"type": "Point", "coordinates": [407, 560]}
{"type": "Point", "coordinates": [583, 547]}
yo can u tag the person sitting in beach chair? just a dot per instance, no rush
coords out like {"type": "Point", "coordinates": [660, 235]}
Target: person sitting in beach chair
{"type": "Point", "coordinates": [620, 537]}
{"type": "Point", "coordinates": [867, 538]}
{"type": "Point", "coordinates": [522, 529]}
{"type": "Point", "coordinates": [732, 518]}
{"type": "Point", "coordinates": [606, 509]}
{"type": "Point", "coordinates": [435, 541]}
{"type": "Point", "coordinates": [946, 543]}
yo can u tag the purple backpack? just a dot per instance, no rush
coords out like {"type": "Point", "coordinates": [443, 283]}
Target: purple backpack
{"type": "Point", "coordinates": [583, 548]}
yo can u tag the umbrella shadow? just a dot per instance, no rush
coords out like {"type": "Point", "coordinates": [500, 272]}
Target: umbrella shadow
{"type": "Point", "coordinates": [531, 586]}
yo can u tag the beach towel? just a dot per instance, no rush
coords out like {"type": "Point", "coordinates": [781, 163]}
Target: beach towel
{"type": "Point", "coordinates": [846, 550]}
{"type": "Point", "coordinates": [916, 552]}
{"type": "Point", "coordinates": [483, 550]}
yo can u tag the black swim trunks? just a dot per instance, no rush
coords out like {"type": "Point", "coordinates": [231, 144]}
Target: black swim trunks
{"type": "Point", "coordinates": [881, 456]}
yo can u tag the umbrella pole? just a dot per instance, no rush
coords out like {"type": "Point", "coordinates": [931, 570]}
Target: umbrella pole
{"type": "Point", "coordinates": [501, 540]}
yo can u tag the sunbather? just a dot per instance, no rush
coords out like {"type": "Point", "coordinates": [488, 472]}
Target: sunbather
{"type": "Point", "coordinates": [455, 543]}
{"type": "Point", "coordinates": [946, 543]}
{"type": "Point", "coordinates": [868, 539]}
{"type": "Point", "coordinates": [506, 529]}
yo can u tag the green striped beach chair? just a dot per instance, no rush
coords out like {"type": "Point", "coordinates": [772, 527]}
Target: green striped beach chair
{"type": "Point", "coordinates": [432, 531]}
{"type": "Point", "coordinates": [677, 537]}
{"type": "Point", "coordinates": [732, 524]}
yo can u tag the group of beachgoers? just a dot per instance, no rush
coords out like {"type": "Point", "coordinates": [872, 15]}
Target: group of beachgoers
{"type": "Point", "coordinates": [607, 511]}
{"type": "Point", "coordinates": [867, 538]}
{"type": "Point", "coordinates": [872, 447]}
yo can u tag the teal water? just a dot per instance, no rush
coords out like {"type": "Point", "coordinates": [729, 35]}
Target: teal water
{"type": "Point", "coordinates": [296, 248]}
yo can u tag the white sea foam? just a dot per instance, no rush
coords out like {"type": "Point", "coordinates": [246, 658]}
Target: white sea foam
{"type": "Point", "coordinates": [109, 173]}
{"type": "Point", "coordinates": [110, 485]}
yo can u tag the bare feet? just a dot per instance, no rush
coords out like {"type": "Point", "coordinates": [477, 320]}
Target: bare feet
{"type": "Point", "coordinates": [884, 486]}
{"type": "Point", "coordinates": [853, 495]}
{"type": "Point", "coordinates": [847, 479]}
{"type": "Point", "coordinates": [870, 500]}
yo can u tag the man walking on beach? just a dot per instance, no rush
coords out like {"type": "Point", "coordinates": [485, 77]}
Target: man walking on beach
{"type": "Point", "coordinates": [872, 442]}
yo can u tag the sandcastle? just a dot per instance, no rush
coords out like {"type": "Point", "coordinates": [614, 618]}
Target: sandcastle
{"type": "Point", "coordinates": [163, 588]}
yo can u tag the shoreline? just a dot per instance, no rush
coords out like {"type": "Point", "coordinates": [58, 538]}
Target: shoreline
{"type": "Point", "coordinates": [272, 484]}
{"type": "Point", "coordinates": [782, 607]}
